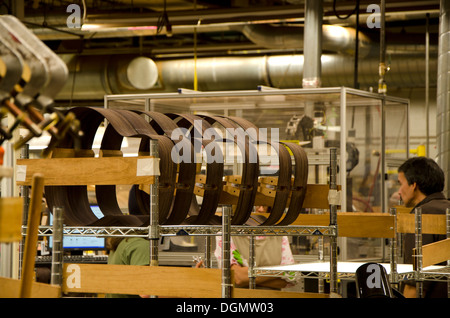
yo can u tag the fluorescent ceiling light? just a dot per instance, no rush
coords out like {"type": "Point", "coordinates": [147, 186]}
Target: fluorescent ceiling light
{"type": "Point", "coordinates": [86, 27]}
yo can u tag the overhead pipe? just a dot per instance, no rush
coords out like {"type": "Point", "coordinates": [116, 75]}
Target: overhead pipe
{"type": "Point", "coordinates": [96, 76]}
{"type": "Point", "coordinates": [312, 45]}
{"type": "Point", "coordinates": [312, 53]}
{"type": "Point", "coordinates": [91, 77]}
{"type": "Point", "coordinates": [357, 49]}
{"type": "Point", "coordinates": [335, 38]}
{"type": "Point", "coordinates": [382, 66]}
{"type": "Point", "coordinates": [285, 71]}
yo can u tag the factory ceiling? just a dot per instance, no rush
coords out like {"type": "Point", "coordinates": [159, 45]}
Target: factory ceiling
{"type": "Point", "coordinates": [210, 27]}
{"type": "Point", "coordinates": [165, 30]}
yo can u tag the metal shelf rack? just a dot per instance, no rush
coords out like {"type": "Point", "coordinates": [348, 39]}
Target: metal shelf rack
{"type": "Point", "coordinates": [440, 273]}
{"type": "Point", "coordinates": [155, 232]}
{"type": "Point", "coordinates": [195, 230]}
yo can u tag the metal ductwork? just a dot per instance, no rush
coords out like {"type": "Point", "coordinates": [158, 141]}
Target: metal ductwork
{"type": "Point", "coordinates": [312, 44]}
{"type": "Point", "coordinates": [334, 38]}
{"type": "Point", "coordinates": [91, 77]}
{"type": "Point", "coordinates": [285, 71]}
{"type": "Point", "coordinates": [443, 94]}
{"type": "Point", "coordinates": [99, 75]}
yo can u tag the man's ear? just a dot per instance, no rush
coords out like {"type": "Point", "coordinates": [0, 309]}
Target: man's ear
{"type": "Point", "coordinates": [416, 188]}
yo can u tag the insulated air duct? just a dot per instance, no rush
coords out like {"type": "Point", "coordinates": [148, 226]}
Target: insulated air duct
{"type": "Point", "coordinates": [91, 77]}
{"type": "Point", "coordinates": [285, 71]}
{"type": "Point", "coordinates": [96, 75]}
{"type": "Point", "coordinates": [312, 45]}
{"type": "Point", "coordinates": [335, 38]}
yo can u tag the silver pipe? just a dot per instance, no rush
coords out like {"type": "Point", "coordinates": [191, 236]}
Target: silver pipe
{"type": "Point", "coordinates": [418, 256]}
{"type": "Point", "coordinates": [312, 46]}
{"type": "Point", "coordinates": [321, 283]}
{"type": "Point", "coordinates": [382, 66]}
{"type": "Point", "coordinates": [154, 210]}
{"type": "Point", "coordinates": [226, 253]}
{"type": "Point", "coordinates": [312, 49]}
{"type": "Point", "coordinates": [443, 92]}
{"type": "Point", "coordinates": [333, 183]}
{"type": "Point", "coordinates": [334, 38]}
{"type": "Point", "coordinates": [321, 249]}
{"type": "Point", "coordinates": [95, 75]}
{"type": "Point", "coordinates": [25, 190]}
{"type": "Point", "coordinates": [215, 73]}
{"type": "Point", "coordinates": [357, 49]}
{"type": "Point", "coordinates": [333, 221]}
{"type": "Point", "coordinates": [208, 258]}
{"type": "Point", "coordinates": [252, 263]}
{"type": "Point", "coordinates": [58, 246]}
{"type": "Point", "coordinates": [343, 146]}
{"type": "Point", "coordinates": [393, 248]}
{"type": "Point", "coordinates": [25, 154]}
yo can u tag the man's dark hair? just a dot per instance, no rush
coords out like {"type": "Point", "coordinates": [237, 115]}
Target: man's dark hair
{"type": "Point", "coordinates": [425, 172]}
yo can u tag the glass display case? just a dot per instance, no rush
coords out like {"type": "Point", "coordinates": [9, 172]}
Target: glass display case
{"type": "Point", "coordinates": [369, 130]}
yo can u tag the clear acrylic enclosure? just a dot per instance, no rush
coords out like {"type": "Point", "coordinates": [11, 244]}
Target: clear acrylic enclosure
{"type": "Point", "coordinates": [369, 130]}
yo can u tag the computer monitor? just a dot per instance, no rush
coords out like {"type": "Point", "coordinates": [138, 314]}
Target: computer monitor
{"type": "Point", "coordinates": [79, 242]}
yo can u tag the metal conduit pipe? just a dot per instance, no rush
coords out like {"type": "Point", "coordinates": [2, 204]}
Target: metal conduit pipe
{"type": "Point", "coordinates": [312, 45]}
{"type": "Point", "coordinates": [312, 51]}
{"type": "Point", "coordinates": [382, 68]}
{"type": "Point", "coordinates": [334, 38]}
{"type": "Point", "coordinates": [407, 70]}
{"type": "Point", "coordinates": [215, 73]}
{"type": "Point", "coordinates": [96, 75]}
{"type": "Point", "coordinates": [443, 92]}
{"type": "Point", "coordinates": [285, 71]}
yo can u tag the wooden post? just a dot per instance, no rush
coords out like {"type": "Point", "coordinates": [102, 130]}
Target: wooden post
{"type": "Point", "coordinates": [34, 214]}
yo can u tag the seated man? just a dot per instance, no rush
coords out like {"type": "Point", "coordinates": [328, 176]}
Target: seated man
{"type": "Point", "coordinates": [421, 184]}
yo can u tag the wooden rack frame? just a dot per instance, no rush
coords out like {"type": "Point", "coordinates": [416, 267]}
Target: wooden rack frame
{"type": "Point", "coordinates": [372, 224]}
{"type": "Point", "coordinates": [390, 225]}
{"type": "Point", "coordinates": [433, 253]}
{"type": "Point", "coordinates": [122, 170]}
{"type": "Point", "coordinates": [351, 224]}
{"type": "Point", "coordinates": [10, 229]}
{"type": "Point", "coordinates": [85, 171]}
{"type": "Point", "coordinates": [166, 281]}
